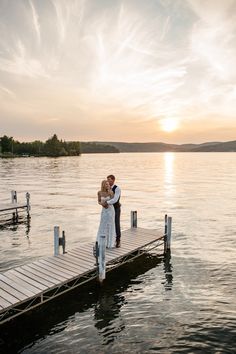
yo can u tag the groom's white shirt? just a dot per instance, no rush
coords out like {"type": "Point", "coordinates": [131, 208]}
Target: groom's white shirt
{"type": "Point", "coordinates": [116, 195]}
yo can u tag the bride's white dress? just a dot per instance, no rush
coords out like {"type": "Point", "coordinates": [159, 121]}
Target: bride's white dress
{"type": "Point", "coordinates": [107, 224]}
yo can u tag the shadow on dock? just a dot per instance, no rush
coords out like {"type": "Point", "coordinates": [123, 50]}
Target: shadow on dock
{"type": "Point", "coordinates": [106, 300]}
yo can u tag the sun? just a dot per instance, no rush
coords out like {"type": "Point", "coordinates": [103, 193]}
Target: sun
{"type": "Point", "coordinates": [169, 125]}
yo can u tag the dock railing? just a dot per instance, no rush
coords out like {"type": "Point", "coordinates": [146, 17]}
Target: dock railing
{"type": "Point", "coordinates": [14, 208]}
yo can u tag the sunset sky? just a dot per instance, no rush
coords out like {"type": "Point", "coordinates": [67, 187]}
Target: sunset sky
{"type": "Point", "coordinates": [111, 70]}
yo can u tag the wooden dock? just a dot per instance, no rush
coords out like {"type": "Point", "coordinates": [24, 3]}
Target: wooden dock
{"type": "Point", "coordinates": [28, 286]}
{"type": "Point", "coordinates": [14, 208]}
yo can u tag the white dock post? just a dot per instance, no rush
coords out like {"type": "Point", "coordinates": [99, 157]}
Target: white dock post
{"type": "Point", "coordinates": [56, 240]}
{"type": "Point", "coordinates": [169, 226]}
{"type": "Point", "coordinates": [96, 252]}
{"type": "Point", "coordinates": [165, 234]}
{"type": "Point", "coordinates": [14, 201]}
{"type": "Point", "coordinates": [134, 219]}
{"type": "Point", "coordinates": [102, 259]}
{"type": "Point", "coordinates": [28, 203]}
{"type": "Point", "coordinates": [13, 197]}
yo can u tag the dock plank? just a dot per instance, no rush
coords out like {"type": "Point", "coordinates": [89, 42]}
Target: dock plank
{"type": "Point", "coordinates": [88, 258]}
{"type": "Point", "coordinates": [8, 297]}
{"type": "Point", "coordinates": [77, 251]}
{"type": "Point", "coordinates": [77, 255]}
{"type": "Point", "coordinates": [4, 303]}
{"type": "Point", "coordinates": [35, 276]}
{"type": "Point", "coordinates": [64, 264]}
{"type": "Point", "coordinates": [44, 270]}
{"type": "Point", "coordinates": [57, 267]}
{"type": "Point", "coordinates": [10, 290]}
{"type": "Point", "coordinates": [16, 286]}
{"type": "Point", "coordinates": [52, 281]}
{"type": "Point", "coordinates": [87, 255]}
{"type": "Point", "coordinates": [85, 264]}
{"type": "Point", "coordinates": [27, 283]}
{"type": "Point", "coordinates": [76, 261]}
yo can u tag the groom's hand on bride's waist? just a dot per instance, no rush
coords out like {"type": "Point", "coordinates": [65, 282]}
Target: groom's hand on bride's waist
{"type": "Point", "coordinates": [105, 205]}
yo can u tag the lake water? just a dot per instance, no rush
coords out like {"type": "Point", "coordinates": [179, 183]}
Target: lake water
{"type": "Point", "coordinates": [181, 304]}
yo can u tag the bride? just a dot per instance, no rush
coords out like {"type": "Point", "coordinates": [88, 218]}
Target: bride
{"type": "Point", "coordinates": [107, 221]}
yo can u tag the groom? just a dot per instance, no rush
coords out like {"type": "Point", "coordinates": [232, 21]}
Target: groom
{"type": "Point", "coordinates": [115, 201]}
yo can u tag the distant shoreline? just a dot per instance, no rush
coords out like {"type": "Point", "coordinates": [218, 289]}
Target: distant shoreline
{"type": "Point", "coordinates": [54, 147]}
{"type": "Point", "coordinates": [229, 146]}
{"type": "Point", "coordinates": [102, 153]}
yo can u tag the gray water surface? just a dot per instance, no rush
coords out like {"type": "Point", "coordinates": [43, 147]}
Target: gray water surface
{"type": "Point", "coordinates": [181, 304]}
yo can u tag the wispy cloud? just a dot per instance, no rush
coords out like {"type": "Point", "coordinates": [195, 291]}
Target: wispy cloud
{"type": "Point", "coordinates": [134, 68]}
{"type": "Point", "coordinates": [5, 91]}
{"type": "Point", "coordinates": [35, 19]}
{"type": "Point", "coordinates": [213, 39]}
{"type": "Point", "coordinates": [68, 13]}
{"type": "Point", "coordinates": [22, 64]}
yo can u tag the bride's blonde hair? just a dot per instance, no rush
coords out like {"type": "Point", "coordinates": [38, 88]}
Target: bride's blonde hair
{"type": "Point", "coordinates": [103, 186]}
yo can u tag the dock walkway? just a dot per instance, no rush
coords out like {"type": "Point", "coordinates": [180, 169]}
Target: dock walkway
{"type": "Point", "coordinates": [25, 287]}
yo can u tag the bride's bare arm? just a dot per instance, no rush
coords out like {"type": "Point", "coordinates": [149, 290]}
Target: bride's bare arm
{"type": "Point", "coordinates": [104, 204]}
{"type": "Point", "coordinates": [99, 198]}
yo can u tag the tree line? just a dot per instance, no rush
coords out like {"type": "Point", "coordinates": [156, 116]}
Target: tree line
{"type": "Point", "coordinates": [52, 147]}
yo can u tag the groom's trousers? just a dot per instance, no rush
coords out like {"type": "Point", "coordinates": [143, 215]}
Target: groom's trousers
{"type": "Point", "coordinates": [117, 223]}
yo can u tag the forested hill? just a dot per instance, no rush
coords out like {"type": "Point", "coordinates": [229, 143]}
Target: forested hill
{"type": "Point", "coordinates": [229, 146]}
{"type": "Point", "coordinates": [91, 148]}
{"type": "Point", "coordinates": [162, 147]}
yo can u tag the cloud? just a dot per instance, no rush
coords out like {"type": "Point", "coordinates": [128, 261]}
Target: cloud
{"type": "Point", "coordinates": [22, 64]}
{"type": "Point", "coordinates": [68, 13]}
{"type": "Point", "coordinates": [5, 91]}
{"type": "Point", "coordinates": [35, 19]}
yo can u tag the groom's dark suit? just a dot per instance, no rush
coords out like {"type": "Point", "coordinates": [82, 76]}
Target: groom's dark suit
{"type": "Point", "coordinates": [117, 206]}
{"type": "Point", "coordinates": [115, 201]}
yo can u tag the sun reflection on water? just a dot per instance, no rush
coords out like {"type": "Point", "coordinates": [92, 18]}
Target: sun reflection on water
{"type": "Point", "coordinates": [169, 158]}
